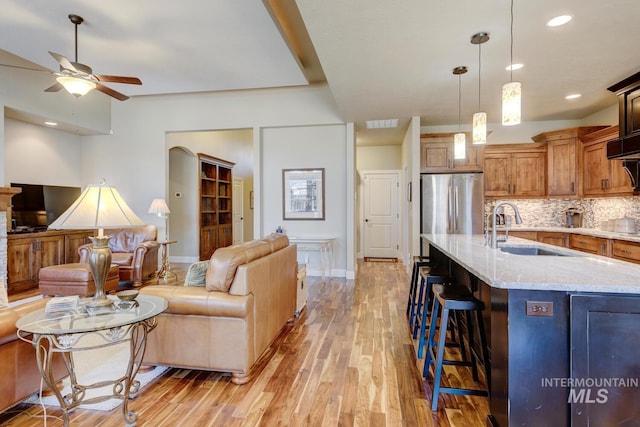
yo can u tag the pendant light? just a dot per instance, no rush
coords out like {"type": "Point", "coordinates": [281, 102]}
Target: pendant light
{"type": "Point", "coordinates": [459, 141]}
{"type": "Point", "coordinates": [479, 118]}
{"type": "Point", "coordinates": [511, 92]}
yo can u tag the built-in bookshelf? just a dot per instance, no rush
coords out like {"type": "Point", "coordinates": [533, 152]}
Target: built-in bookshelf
{"type": "Point", "coordinates": [215, 204]}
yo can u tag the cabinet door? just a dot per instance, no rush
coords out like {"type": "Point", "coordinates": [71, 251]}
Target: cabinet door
{"type": "Point", "coordinates": [590, 244]}
{"type": "Point", "coordinates": [472, 161]}
{"type": "Point", "coordinates": [602, 331]}
{"type": "Point", "coordinates": [208, 242]}
{"type": "Point", "coordinates": [552, 238]}
{"type": "Point", "coordinates": [562, 171]}
{"type": "Point", "coordinates": [225, 236]}
{"type": "Point", "coordinates": [20, 265]}
{"type": "Point", "coordinates": [72, 241]}
{"type": "Point", "coordinates": [626, 251]}
{"type": "Point", "coordinates": [528, 174]}
{"type": "Point", "coordinates": [496, 174]}
{"type": "Point", "coordinates": [50, 251]}
{"type": "Point", "coordinates": [619, 181]}
{"type": "Point", "coordinates": [436, 156]}
{"type": "Point", "coordinates": [595, 169]}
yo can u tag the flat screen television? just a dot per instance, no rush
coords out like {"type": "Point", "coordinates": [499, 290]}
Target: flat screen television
{"type": "Point", "coordinates": [37, 206]}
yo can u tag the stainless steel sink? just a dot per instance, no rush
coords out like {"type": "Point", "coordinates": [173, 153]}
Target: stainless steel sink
{"type": "Point", "coordinates": [533, 250]}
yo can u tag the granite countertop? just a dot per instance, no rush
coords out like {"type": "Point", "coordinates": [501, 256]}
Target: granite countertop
{"type": "Point", "coordinates": [580, 272]}
{"type": "Point", "coordinates": [596, 232]}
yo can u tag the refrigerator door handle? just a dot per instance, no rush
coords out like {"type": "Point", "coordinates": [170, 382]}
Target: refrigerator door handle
{"type": "Point", "coordinates": [450, 223]}
{"type": "Point", "coordinates": [456, 209]}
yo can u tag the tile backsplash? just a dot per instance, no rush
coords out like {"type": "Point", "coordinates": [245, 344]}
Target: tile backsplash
{"type": "Point", "coordinates": [550, 212]}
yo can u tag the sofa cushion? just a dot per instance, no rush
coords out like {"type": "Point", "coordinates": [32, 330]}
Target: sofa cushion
{"type": "Point", "coordinates": [126, 239]}
{"type": "Point", "coordinates": [277, 241]}
{"type": "Point", "coordinates": [196, 274]}
{"type": "Point", "coordinates": [122, 258]}
{"type": "Point", "coordinates": [222, 267]}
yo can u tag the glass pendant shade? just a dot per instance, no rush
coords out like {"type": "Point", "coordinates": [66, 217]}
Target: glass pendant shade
{"type": "Point", "coordinates": [459, 146]}
{"type": "Point", "coordinates": [76, 86]}
{"type": "Point", "coordinates": [511, 99]}
{"type": "Point", "coordinates": [480, 128]}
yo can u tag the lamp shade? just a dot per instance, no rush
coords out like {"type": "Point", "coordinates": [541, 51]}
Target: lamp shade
{"type": "Point", "coordinates": [480, 128]}
{"type": "Point", "coordinates": [97, 207]}
{"type": "Point", "coordinates": [459, 146]}
{"type": "Point", "coordinates": [76, 86]}
{"type": "Point", "coordinates": [511, 98]}
{"type": "Point", "coordinates": [159, 207]}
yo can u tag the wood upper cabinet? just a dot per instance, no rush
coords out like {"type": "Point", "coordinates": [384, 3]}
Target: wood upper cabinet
{"type": "Point", "coordinates": [515, 170]}
{"type": "Point", "coordinates": [564, 160]}
{"type": "Point", "coordinates": [603, 177]}
{"type": "Point", "coordinates": [436, 154]}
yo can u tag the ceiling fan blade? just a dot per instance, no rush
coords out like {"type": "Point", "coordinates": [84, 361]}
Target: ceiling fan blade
{"type": "Point", "coordinates": [54, 88]}
{"type": "Point", "coordinates": [63, 61]}
{"type": "Point", "coordinates": [118, 79]}
{"type": "Point", "coordinates": [107, 90]}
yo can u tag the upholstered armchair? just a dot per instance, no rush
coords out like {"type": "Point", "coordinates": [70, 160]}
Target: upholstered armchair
{"type": "Point", "coordinates": [134, 250]}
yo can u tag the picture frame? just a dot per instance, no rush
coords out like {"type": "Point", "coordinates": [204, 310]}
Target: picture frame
{"type": "Point", "coordinates": [303, 194]}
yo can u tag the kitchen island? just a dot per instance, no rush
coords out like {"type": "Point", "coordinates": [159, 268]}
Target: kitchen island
{"type": "Point", "coordinates": [563, 330]}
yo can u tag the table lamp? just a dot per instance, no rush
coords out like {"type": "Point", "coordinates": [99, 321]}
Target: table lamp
{"type": "Point", "coordinates": [159, 207]}
{"type": "Point", "coordinates": [98, 207]}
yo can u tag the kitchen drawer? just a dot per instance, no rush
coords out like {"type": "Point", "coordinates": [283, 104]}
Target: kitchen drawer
{"type": "Point", "coordinates": [553, 238]}
{"type": "Point", "coordinates": [529, 235]}
{"type": "Point", "coordinates": [627, 251]}
{"type": "Point", "coordinates": [593, 245]}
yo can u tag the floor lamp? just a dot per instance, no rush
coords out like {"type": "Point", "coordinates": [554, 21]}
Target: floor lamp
{"type": "Point", "coordinates": [160, 208]}
{"type": "Point", "coordinates": [98, 207]}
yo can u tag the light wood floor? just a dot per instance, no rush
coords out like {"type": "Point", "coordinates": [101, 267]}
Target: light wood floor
{"type": "Point", "coordinates": [347, 361]}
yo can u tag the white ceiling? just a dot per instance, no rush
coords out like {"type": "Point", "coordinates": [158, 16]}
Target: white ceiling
{"type": "Point", "coordinates": [381, 59]}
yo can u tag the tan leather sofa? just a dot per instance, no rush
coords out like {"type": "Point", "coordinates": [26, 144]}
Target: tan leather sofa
{"type": "Point", "coordinates": [18, 368]}
{"type": "Point", "coordinates": [134, 250]}
{"type": "Point", "coordinates": [249, 297]}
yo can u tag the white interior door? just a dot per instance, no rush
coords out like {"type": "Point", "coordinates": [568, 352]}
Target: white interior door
{"type": "Point", "coordinates": [238, 211]}
{"type": "Point", "coordinates": [380, 214]}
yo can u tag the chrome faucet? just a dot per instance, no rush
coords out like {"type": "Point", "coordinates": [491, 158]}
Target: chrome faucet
{"type": "Point", "coordinates": [494, 232]}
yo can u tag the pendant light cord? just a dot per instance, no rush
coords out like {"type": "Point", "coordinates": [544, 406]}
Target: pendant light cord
{"type": "Point", "coordinates": [459, 98]}
{"type": "Point", "coordinates": [479, 72]}
{"type": "Point", "coordinates": [511, 65]}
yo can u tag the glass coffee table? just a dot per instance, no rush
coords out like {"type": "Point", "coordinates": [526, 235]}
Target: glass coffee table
{"type": "Point", "coordinates": [70, 332]}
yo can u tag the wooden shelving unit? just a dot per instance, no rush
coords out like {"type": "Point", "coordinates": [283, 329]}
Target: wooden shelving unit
{"type": "Point", "coordinates": [215, 204]}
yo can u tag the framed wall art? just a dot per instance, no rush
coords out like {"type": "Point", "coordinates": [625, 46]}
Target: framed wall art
{"type": "Point", "coordinates": [303, 194]}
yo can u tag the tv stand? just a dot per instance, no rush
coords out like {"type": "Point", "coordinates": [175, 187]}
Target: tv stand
{"type": "Point", "coordinates": [28, 252]}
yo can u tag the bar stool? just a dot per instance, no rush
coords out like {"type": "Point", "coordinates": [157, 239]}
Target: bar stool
{"type": "Point", "coordinates": [418, 265]}
{"type": "Point", "coordinates": [458, 299]}
{"type": "Point", "coordinates": [425, 296]}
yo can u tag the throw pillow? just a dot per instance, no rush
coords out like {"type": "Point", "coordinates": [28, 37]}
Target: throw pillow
{"type": "Point", "coordinates": [196, 274]}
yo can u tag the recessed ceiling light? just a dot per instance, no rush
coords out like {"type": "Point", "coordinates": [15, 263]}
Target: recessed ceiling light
{"type": "Point", "coordinates": [382, 124]}
{"type": "Point", "coordinates": [514, 67]}
{"type": "Point", "coordinates": [559, 20]}
{"type": "Point", "coordinates": [48, 123]}
{"type": "Point", "coordinates": [573, 96]}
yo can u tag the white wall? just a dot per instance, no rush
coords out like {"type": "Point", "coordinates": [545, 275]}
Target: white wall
{"type": "Point", "coordinates": [379, 157]}
{"type": "Point", "coordinates": [183, 220]}
{"type": "Point", "coordinates": [40, 155]}
{"type": "Point", "coordinates": [308, 147]}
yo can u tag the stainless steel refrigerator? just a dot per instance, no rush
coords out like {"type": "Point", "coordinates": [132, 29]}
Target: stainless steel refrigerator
{"type": "Point", "coordinates": [451, 203]}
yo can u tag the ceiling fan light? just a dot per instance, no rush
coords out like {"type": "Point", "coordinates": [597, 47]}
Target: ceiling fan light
{"type": "Point", "coordinates": [459, 146]}
{"type": "Point", "coordinates": [76, 86]}
{"type": "Point", "coordinates": [480, 128]}
{"type": "Point", "coordinates": [511, 100]}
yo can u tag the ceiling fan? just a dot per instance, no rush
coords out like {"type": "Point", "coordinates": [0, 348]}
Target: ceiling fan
{"type": "Point", "coordinates": [78, 78]}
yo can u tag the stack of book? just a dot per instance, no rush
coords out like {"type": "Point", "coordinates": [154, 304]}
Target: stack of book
{"type": "Point", "coordinates": [62, 304]}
